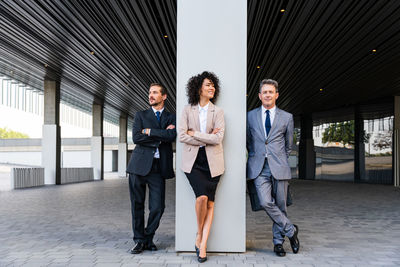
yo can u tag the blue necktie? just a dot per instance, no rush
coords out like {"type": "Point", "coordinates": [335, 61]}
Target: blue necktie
{"type": "Point", "coordinates": [267, 123]}
{"type": "Point", "coordinates": [158, 115]}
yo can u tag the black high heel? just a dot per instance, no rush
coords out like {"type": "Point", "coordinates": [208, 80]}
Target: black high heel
{"type": "Point", "coordinates": [201, 259]}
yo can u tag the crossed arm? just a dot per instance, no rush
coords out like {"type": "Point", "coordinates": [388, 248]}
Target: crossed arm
{"type": "Point", "coordinates": [152, 137]}
{"type": "Point", "coordinates": [197, 138]}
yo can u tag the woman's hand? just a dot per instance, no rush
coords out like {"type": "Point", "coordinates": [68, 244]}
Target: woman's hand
{"type": "Point", "coordinates": [216, 130]}
{"type": "Point", "coordinates": [190, 132]}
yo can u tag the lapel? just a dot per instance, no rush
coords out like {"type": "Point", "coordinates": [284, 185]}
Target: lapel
{"type": "Point", "coordinates": [163, 118]}
{"type": "Point", "coordinates": [274, 124]}
{"type": "Point", "coordinates": [195, 116]}
{"type": "Point", "coordinates": [210, 116]}
{"type": "Point", "coordinates": [260, 122]}
{"type": "Point", "coordinates": [152, 117]}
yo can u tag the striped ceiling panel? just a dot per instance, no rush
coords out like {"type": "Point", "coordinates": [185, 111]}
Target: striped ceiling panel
{"type": "Point", "coordinates": [320, 51]}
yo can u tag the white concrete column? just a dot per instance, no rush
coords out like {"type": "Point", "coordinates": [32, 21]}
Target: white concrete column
{"type": "Point", "coordinates": [212, 36]}
{"type": "Point", "coordinates": [396, 146]}
{"type": "Point", "coordinates": [97, 153]}
{"type": "Point", "coordinates": [123, 145]}
{"type": "Point", "coordinates": [51, 139]}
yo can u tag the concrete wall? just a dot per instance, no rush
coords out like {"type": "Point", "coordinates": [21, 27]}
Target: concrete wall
{"type": "Point", "coordinates": [212, 35]}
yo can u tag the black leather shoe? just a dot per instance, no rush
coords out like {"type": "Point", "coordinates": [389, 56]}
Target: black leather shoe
{"type": "Point", "coordinates": [279, 251]}
{"type": "Point", "coordinates": [138, 248]}
{"type": "Point", "coordinates": [197, 250]}
{"type": "Point", "coordinates": [294, 240]}
{"type": "Point", "coordinates": [151, 246]}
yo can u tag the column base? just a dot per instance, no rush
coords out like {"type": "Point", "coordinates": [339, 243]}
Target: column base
{"type": "Point", "coordinates": [97, 157]}
{"type": "Point", "coordinates": [51, 152]}
{"type": "Point", "coordinates": [307, 159]}
{"type": "Point", "coordinates": [122, 159]}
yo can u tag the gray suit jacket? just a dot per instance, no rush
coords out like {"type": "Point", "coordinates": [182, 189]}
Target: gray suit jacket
{"type": "Point", "coordinates": [276, 146]}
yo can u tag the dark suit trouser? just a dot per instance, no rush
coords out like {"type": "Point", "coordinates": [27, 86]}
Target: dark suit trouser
{"type": "Point", "coordinates": [137, 188]}
{"type": "Point", "coordinates": [275, 207]}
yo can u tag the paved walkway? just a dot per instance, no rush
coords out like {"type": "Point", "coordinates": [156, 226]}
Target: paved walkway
{"type": "Point", "coordinates": [88, 224]}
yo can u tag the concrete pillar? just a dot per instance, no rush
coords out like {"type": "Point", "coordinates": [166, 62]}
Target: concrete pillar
{"type": "Point", "coordinates": [51, 140]}
{"type": "Point", "coordinates": [97, 153]}
{"type": "Point", "coordinates": [306, 148]}
{"type": "Point", "coordinates": [122, 145]}
{"type": "Point", "coordinates": [219, 45]}
{"type": "Point", "coordinates": [396, 142]}
{"type": "Point", "coordinates": [359, 147]}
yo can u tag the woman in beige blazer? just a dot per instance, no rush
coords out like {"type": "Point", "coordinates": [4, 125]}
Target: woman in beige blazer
{"type": "Point", "coordinates": [201, 131]}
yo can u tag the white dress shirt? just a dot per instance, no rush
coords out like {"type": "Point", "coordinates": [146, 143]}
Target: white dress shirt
{"type": "Point", "coordinates": [157, 154]}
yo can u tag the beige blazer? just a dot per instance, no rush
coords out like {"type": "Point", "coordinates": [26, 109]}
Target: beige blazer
{"type": "Point", "coordinates": [212, 142]}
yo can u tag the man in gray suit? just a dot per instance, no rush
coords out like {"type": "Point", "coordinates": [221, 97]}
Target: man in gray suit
{"type": "Point", "coordinates": [269, 142]}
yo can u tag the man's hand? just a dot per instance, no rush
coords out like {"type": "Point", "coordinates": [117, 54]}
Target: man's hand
{"type": "Point", "coordinates": [190, 132]}
{"type": "Point", "coordinates": [170, 127]}
{"type": "Point", "coordinates": [146, 131]}
{"type": "Point", "coordinates": [216, 130]}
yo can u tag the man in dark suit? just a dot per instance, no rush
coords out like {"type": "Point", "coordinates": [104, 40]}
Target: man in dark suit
{"type": "Point", "coordinates": [269, 142]}
{"type": "Point", "coordinates": [150, 164]}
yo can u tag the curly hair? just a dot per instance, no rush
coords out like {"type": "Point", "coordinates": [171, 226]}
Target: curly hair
{"type": "Point", "coordinates": [196, 82]}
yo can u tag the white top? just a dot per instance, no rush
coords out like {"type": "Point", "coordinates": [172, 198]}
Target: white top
{"type": "Point", "coordinates": [272, 112]}
{"type": "Point", "coordinates": [203, 117]}
{"type": "Point", "coordinates": [157, 154]}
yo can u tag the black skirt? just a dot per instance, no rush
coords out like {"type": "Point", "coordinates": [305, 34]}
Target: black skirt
{"type": "Point", "coordinates": [200, 177]}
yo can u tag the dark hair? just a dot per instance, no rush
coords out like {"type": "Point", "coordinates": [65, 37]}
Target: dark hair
{"type": "Point", "coordinates": [162, 90]}
{"type": "Point", "coordinates": [196, 82]}
{"type": "Point", "coordinates": [268, 81]}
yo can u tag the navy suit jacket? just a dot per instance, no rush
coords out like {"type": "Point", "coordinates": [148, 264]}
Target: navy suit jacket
{"type": "Point", "coordinates": [143, 154]}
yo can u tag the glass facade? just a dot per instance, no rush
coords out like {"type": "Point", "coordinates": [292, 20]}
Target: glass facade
{"type": "Point", "coordinates": [378, 151]}
{"type": "Point", "coordinates": [334, 147]}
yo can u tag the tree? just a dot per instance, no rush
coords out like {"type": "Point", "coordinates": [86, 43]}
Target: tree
{"type": "Point", "coordinates": [342, 132]}
{"type": "Point", "coordinates": [9, 134]}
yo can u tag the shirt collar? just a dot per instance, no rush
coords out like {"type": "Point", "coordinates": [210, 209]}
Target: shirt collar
{"type": "Point", "coordinates": [271, 110]}
{"type": "Point", "coordinates": [155, 110]}
{"type": "Point", "coordinates": [205, 108]}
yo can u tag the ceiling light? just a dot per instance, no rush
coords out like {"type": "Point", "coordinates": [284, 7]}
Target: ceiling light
{"type": "Point", "coordinates": [165, 36]}
{"type": "Point", "coordinates": [45, 65]}
{"type": "Point", "coordinates": [92, 52]}
{"type": "Point", "coordinates": [320, 89]}
{"type": "Point", "coordinates": [282, 10]}
{"type": "Point", "coordinates": [258, 67]}
{"type": "Point", "coordinates": [373, 50]}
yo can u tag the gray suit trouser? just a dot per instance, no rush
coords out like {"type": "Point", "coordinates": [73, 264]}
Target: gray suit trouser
{"type": "Point", "coordinates": [275, 207]}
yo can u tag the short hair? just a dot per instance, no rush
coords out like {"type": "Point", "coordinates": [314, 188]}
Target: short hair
{"type": "Point", "coordinates": [162, 90]}
{"type": "Point", "coordinates": [196, 82]}
{"type": "Point", "coordinates": [270, 82]}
